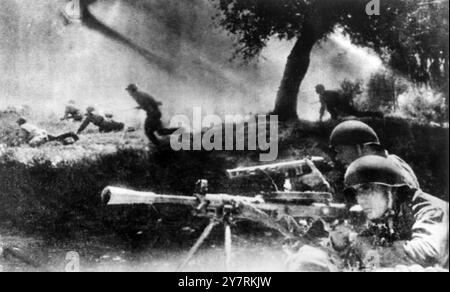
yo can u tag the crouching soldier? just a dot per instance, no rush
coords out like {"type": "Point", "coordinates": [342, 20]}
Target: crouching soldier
{"type": "Point", "coordinates": [334, 102]}
{"type": "Point", "coordinates": [411, 225]}
{"type": "Point", "coordinates": [104, 124]}
{"type": "Point", "coordinates": [351, 140]}
{"type": "Point", "coordinates": [36, 136]}
{"type": "Point", "coordinates": [72, 112]}
{"type": "Point", "coordinates": [418, 220]}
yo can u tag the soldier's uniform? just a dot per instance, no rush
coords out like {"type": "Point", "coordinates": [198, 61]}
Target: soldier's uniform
{"type": "Point", "coordinates": [408, 173]}
{"type": "Point", "coordinates": [104, 125]}
{"type": "Point", "coordinates": [35, 135]}
{"type": "Point", "coordinates": [358, 133]}
{"type": "Point", "coordinates": [410, 177]}
{"type": "Point", "coordinates": [334, 102]}
{"type": "Point", "coordinates": [423, 222]}
{"type": "Point", "coordinates": [151, 106]}
{"type": "Point", "coordinates": [419, 219]}
{"type": "Point", "coordinates": [416, 225]}
{"type": "Point", "coordinates": [72, 112]}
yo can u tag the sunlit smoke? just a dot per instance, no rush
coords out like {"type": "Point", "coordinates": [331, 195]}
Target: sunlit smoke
{"type": "Point", "coordinates": [171, 49]}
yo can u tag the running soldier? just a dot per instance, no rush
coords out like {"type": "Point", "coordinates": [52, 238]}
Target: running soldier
{"type": "Point", "coordinates": [151, 106]}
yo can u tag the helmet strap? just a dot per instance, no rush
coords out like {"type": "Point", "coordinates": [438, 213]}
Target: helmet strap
{"type": "Point", "coordinates": [360, 150]}
{"type": "Point", "coordinates": [390, 199]}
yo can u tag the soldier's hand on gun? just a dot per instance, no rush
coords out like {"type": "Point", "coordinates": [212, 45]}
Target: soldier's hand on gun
{"type": "Point", "coordinates": [340, 238]}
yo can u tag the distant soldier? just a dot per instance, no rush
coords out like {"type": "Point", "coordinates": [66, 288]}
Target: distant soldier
{"type": "Point", "coordinates": [351, 140]}
{"type": "Point", "coordinates": [334, 102]}
{"type": "Point", "coordinates": [104, 124]}
{"type": "Point", "coordinates": [37, 137]}
{"type": "Point", "coordinates": [72, 112]}
{"type": "Point", "coordinates": [151, 106]}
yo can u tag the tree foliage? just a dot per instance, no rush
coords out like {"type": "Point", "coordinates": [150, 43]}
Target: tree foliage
{"type": "Point", "coordinates": [383, 90]}
{"type": "Point", "coordinates": [410, 35]}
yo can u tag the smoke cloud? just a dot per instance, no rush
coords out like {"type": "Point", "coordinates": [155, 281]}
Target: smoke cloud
{"type": "Point", "coordinates": [170, 48]}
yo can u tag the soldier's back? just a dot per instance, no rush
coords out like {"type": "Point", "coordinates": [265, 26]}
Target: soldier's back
{"type": "Point", "coordinates": [33, 130]}
{"type": "Point", "coordinates": [72, 109]}
{"type": "Point", "coordinates": [331, 97]}
{"type": "Point", "coordinates": [96, 119]}
{"type": "Point", "coordinates": [410, 176]}
{"type": "Point", "coordinates": [146, 101]}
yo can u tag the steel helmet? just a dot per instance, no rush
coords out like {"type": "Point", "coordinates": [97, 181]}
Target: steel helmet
{"type": "Point", "coordinates": [132, 87]}
{"type": "Point", "coordinates": [353, 133]}
{"type": "Point", "coordinates": [374, 169]}
{"type": "Point", "coordinates": [21, 121]}
{"type": "Point", "coordinates": [320, 88]}
{"type": "Point", "coordinates": [90, 109]}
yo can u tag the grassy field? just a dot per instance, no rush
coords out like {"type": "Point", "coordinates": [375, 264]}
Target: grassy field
{"type": "Point", "coordinates": [51, 194]}
{"type": "Point", "coordinates": [64, 181]}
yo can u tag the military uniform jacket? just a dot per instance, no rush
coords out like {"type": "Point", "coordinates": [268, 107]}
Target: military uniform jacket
{"type": "Point", "coordinates": [95, 119]}
{"type": "Point", "coordinates": [148, 104]}
{"type": "Point", "coordinates": [71, 111]}
{"type": "Point", "coordinates": [408, 173]}
{"type": "Point", "coordinates": [423, 223]}
{"type": "Point", "coordinates": [33, 131]}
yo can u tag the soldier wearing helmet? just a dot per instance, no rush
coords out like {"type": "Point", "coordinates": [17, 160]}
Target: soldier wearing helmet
{"type": "Point", "coordinates": [411, 225]}
{"type": "Point", "coordinates": [353, 139]}
{"type": "Point", "coordinates": [105, 124]}
{"type": "Point", "coordinates": [72, 112]}
{"type": "Point", "coordinates": [334, 102]}
{"type": "Point", "coordinates": [412, 216]}
{"type": "Point", "coordinates": [151, 106]}
{"type": "Point", "coordinates": [35, 136]}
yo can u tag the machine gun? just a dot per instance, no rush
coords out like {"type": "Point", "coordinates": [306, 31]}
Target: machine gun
{"type": "Point", "coordinates": [277, 210]}
{"type": "Point", "coordinates": [271, 210]}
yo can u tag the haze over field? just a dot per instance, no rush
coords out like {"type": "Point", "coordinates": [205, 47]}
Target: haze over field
{"type": "Point", "coordinates": [171, 48]}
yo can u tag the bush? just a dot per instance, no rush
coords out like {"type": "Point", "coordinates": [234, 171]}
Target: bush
{"type": "Point", "coordinates": [424, 106]}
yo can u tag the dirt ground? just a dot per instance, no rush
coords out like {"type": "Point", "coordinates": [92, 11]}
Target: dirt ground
{"type": "Point", "coordinates": [258, 253]}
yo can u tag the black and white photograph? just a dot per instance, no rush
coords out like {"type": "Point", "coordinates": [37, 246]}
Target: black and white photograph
{"type": "Point", "coordinates": [226, 137]}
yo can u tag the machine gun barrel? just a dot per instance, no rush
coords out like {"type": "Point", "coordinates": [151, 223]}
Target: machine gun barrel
{"type": "Point", "coordinates": [328, 211]}
{"type": "Point", "coordinates": [120, 196]}
{"type": "Point", "coordinates": [290, 168]}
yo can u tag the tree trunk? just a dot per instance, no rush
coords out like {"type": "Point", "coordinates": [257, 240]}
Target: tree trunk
{"type": "Point", "coordinates": [295, 71]}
